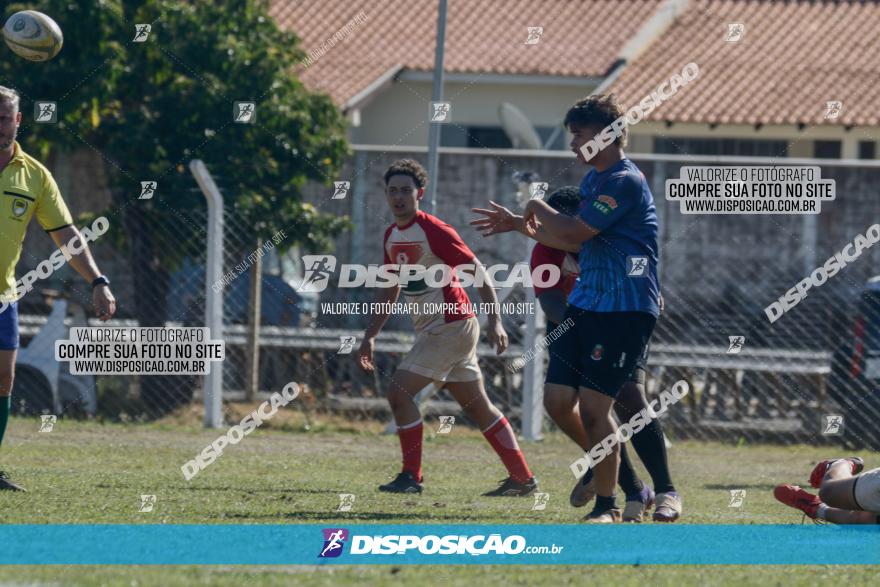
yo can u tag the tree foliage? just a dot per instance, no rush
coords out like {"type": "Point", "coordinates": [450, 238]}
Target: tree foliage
{"type": "Point", "coordinates": [149, 108]}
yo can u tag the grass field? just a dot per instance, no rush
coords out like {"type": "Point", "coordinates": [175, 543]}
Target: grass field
{"type": "Point", "coordinates": [94, 473]}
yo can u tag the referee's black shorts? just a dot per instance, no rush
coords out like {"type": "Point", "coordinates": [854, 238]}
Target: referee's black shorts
{"type": "Point", "coordinates": [599, 350]}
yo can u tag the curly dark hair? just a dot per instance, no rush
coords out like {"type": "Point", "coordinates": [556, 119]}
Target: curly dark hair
{"type": "Point", "coordinates": [600, 110]}
{"type": "Point", "coordinates": [565, 199]}
{"type": "Point", "coordinates": [409, 167]}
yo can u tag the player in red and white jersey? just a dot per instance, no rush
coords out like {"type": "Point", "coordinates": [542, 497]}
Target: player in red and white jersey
{"type": "Point", "coordinates": [447, 333]}
{"type": "Point", "coordinates": [426, 241]}
{"type": "Point", "coordinates": [847, 493]}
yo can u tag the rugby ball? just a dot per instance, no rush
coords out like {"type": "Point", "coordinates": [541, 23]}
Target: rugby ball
{"type": "Point", "coordinates": [33, 35]}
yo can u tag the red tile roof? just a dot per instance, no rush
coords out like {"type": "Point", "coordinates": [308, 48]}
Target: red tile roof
{"type": "Point", "coordinates": [581, 37]}
{"type": "Point", "coordinates": [792, 59]}
{"type": "Point", "coordinates": [794, 56]}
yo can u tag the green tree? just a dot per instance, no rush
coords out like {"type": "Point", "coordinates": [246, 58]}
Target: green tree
{"type": "Point", "coordinates": [149, 108]}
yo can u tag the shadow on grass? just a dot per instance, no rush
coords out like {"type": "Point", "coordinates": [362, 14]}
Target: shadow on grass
{"type": "Point", "coordinates": [762, 486]}
{"type": "Point", "coordinates": [331, 516]}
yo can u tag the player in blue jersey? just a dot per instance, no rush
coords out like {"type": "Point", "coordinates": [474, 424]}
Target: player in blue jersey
{"type": "Point", "coordinates": [615, 302]}
{"type": "Point", "coordinates": [561, 390]}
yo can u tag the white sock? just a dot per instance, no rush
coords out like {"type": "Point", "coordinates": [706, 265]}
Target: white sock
{"type": "Point", "coordinates": [820, 511]}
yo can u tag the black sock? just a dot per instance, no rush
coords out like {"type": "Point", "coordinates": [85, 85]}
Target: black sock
{"type": "Point", "coordinates": [626, 476]}
{"type": "Point", "coordinates": [604, 503]}
{"type": "Point", "coordinates": [649, 443]}
{"type": "Point", "coordinates": [651, 448]}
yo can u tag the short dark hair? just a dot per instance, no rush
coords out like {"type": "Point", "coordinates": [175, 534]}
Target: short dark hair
{"type": "Point", "coordinates": [409, 167]}
{"type": "Point", "coordinates": [565, 199]}
{"type": "Point", "coordinates": [600, 110]}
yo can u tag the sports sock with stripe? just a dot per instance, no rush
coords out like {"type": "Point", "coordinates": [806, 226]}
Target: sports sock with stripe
{"type": "Point", "coordinates": [410, 436]}
{"type": "Point", "coordinates": [500, 435]}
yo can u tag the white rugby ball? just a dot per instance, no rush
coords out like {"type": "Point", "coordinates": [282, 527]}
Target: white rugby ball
{"type": "Point", "coordinates": [33, 35]}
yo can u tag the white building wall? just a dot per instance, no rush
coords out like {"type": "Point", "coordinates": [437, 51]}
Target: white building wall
{"type": "Point", "coordinates": [399, 116]}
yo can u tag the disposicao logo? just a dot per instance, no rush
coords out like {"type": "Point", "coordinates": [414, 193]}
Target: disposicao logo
{"type": "Point", "coordinates": [334, 540]}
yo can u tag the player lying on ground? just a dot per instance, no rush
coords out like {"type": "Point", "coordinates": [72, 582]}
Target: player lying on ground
{"type": "Point", "coordinates": [445, 348]}
{"type": "Point", "coordinates": [613, 313]}
{"type": "Point", "coordinates": [561, 399]}
{"type": "Point", "coordinates": [846, 495]}
{"type": "Point", "coordinates": [29, 191]}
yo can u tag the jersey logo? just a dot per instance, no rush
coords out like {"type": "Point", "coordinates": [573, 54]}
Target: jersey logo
{"type": "Point", "coordinates": [409, 254]}
{"type": "Point", "coordinates": [597, 353]}
{"type": "Point", "coordinates": [406, 253]}
{"type": "Point", "coordinates": [608, 200]}
{"type": "Point", "coordinates": [605, 204]}
{"type": "Point", "coordinates": [19, 207]}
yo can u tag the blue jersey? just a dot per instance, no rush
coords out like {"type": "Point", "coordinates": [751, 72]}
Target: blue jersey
{"type": "Point", "coordinates": [619, 265]}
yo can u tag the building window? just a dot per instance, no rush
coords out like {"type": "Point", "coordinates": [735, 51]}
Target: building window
{"type": "Point", "coordinates": [487, 137]}
{"type": "Point", "coordinates": [452, 135]}
{"type": "Point", "coordinates": [867, 149]}
{"type": "Point", "coordinates": [474, 137]}
{"type": "Point", "coordinates": [718, 146]}
{"type": "Point", "coordinates": [494, 137]}
{"type": "Point", "coordinates": [826, 149]}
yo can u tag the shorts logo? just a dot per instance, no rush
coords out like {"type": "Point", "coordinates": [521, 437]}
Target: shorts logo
{"type": "Point", "coordinates": [334, 540]}
{"type": "Point", "coordinates": [597, 353]}
{"type": "Point", "coordinates": [19, 207]}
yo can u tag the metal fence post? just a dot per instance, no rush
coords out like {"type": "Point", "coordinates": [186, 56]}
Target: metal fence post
{"type": "Point", "coordinates": [213, 390]}
{"type": "Point", "coordinates": [533, 372]}
{"type": "Point", "coordinates": [254, 316]}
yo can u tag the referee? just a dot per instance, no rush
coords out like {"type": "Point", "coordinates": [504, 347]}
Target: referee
{"type": "Point", "coordinates": [28, 190]}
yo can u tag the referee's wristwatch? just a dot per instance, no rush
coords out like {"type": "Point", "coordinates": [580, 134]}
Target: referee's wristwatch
{"type": "Point", "coordinates": [100, 280]}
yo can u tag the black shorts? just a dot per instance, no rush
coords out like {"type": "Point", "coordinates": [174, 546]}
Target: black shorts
{"type": "Point", "coordinates": [562, 376]}
{"type": "Point", "coordinates": [599, 350]}
{"type": "Point", "coordinates": [639, 373]}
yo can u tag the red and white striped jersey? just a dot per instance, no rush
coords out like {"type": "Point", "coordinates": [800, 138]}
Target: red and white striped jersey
{"type": "Point", "coordinates": [429, 241]}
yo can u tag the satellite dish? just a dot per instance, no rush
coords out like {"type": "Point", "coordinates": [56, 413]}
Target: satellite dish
{"type": "Point", "coordinates": [517, 127]}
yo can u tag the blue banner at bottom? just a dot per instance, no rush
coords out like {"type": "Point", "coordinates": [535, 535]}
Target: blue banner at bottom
{"type": "Point", "coordinates": [426, 544]}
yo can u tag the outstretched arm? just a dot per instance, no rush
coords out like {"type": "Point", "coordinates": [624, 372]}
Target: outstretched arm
{"type": "Point", "coordinates": [567, 229]}
{"type": "Point", "coordinates": [499, 219]}
{"type": "Point", "coordinates": [68, 238]}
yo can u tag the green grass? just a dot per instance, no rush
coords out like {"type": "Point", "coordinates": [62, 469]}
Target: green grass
{"type": "Point", "coordinates": [93, 473]}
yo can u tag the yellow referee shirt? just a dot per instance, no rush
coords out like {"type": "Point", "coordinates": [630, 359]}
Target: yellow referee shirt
{"type": "Point", "coordinates": [28, 190]}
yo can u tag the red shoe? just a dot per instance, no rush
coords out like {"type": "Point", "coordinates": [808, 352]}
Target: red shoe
{"type": "Point", "coordinates": [819, 472]}
{"type": "Point", "coordinates": [794, 496]}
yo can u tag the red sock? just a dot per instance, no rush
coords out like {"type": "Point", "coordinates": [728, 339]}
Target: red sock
{"type": "Point", "coordinates": [500, 435]}
{"type": "Point", "coordinates": [411, 447]}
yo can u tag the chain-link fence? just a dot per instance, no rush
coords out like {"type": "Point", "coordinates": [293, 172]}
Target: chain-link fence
{"type": "Point", "coordinates": [806, 376]}
{"type": "Point", "coordinates": [812, 375]}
